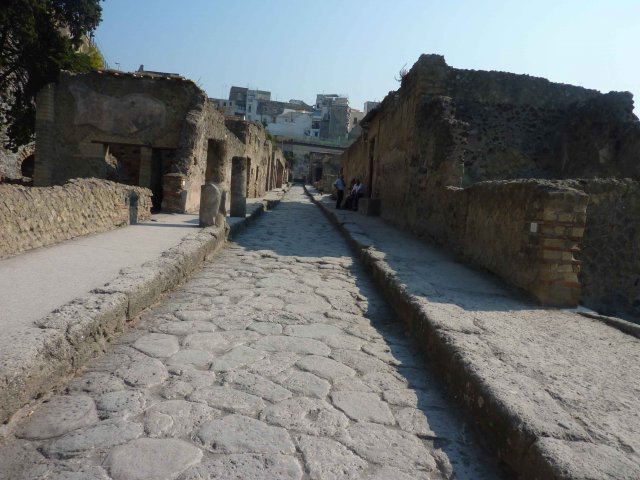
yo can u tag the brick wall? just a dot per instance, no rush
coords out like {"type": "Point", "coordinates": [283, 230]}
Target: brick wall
{"type": "Point", "coordinates": [32, 217]}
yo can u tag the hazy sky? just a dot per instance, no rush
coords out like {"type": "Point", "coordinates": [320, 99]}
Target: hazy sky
{"type": "Point", "coordinates": [297, 48]}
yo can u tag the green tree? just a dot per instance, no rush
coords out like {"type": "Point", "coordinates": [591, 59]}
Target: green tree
{"type": "Point", "coordinates": [38, 38]}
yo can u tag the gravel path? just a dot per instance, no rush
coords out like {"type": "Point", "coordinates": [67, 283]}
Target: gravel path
{"type": "Point", "coordinates": [277, 360]}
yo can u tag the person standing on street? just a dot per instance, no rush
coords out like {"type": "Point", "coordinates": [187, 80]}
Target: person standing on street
{"type": "Point", "coordinates": [339, 184]}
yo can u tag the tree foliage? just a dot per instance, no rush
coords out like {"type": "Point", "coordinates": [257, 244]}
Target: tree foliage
{"type": "Point", "coordinates": [38, 38]}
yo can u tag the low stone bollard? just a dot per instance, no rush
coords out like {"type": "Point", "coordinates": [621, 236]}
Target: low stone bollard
{"type": "Point", "coordinates": [210, 199]}
{"type": "Point", "coordinates": [239, 187]}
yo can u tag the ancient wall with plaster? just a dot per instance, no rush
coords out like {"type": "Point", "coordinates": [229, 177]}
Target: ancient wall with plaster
{"type": "Point", "coordinates": [155, 131]}
{"type": "Point", "coordinates": [32, 217]}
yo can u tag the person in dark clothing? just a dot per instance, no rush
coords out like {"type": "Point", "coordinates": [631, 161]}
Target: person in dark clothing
{"type": "Point", "coordinates": [358, 193]}
{"type": "Point", "coordinates": [348, 203]}
{"type": "Point", "coordinates": [339, 184]}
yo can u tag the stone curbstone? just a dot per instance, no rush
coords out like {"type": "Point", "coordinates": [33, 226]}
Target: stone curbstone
{"type": "Point", "coordinates": [506, 431]}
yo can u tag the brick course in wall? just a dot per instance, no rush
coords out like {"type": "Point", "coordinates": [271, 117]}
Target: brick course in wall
{"type": "Point", "coordinates": [32, 217]}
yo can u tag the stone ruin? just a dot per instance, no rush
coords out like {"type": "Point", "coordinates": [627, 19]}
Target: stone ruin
{"type": "Point", "coordinates": [533, 180]}
{"type": "Point", "coordinates": [149, 130]}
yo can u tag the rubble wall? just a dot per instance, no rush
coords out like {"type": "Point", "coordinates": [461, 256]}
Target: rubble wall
{"type": "Point", "coordinates": [525, 231]}
{"type": "Point", "coordinates": [32, 217]}
{"type": "Point", "coordinates": [519, 126]}
{"type": "Point", "coordinates": [610, 248]}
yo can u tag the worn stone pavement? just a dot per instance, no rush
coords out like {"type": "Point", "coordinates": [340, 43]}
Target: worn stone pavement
{"type": "Point", "coordinates": [277, 360]}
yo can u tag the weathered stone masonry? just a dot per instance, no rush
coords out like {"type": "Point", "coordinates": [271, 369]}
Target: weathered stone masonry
{"type": "Point", "coordinates": [159, 132]}
{"type": "Point", "coordinates": [442, 155]}
{"type": "Point", "coordinates": [32, 217]}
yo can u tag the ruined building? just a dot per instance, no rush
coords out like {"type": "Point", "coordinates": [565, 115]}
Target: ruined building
{"type": "Point", "coordinates": [519, 175]}
{"type": "Point", "coordinates": [147, 129]}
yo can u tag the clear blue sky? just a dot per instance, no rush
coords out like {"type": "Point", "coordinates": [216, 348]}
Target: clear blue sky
{"type": "Point", "coordinates": [297, 48]}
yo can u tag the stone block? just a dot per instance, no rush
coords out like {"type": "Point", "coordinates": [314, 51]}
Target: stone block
{"type": "Point", "coordinates": [210, 200]}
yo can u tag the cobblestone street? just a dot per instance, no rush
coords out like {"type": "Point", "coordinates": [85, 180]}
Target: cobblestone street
{"type": "Point", "coordinates": [277, 360]}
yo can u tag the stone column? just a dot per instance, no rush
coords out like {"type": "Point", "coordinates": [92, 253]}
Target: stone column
{"type": "Point", "coordinates": [210, 197]}
{"type": "Point", "coordinates": [239, 187]}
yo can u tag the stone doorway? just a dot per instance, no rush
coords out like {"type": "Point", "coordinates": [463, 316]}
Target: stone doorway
{"type": "Point", "coordinates": [161, 160]}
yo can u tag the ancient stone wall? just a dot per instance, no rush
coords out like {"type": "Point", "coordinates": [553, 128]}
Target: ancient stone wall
{"type": "Point", "coordinates": [525, 231]}
{"type": "Point", "coordinates": [32, 217]}
{"type": "Point", "coordinates": [518, 126]}
{"type": "Point", "coordinates": [154, 131]}
{"type": "Point", "coordinates": [610, 248]}
{"type": "Point", "coordinates": [434, 152]}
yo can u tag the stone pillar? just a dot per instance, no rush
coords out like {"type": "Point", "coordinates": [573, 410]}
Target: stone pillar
{"type": "Point", "coordinates": [210, 199]}
{"type": "Point", "coordinates": [239, 187]}
{"type": "Point", "coordinates": [45, 137]}
{"type": "Point", "coordinates": [145, 167]}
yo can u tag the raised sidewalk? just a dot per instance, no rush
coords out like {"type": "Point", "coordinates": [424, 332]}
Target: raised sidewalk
{"type": "Point", "coordinates": [557, 394]}
{"type": "Point", "coordinates": [60, 305]}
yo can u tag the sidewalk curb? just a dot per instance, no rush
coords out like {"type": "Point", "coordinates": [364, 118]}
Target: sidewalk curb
{"type": "Point", "coordinates": [506, 432]}
{"type": "Point", "coordinates": [57, 345]}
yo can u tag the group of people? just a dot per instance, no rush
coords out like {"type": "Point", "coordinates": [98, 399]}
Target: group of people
{"type": "Point", "coordinates": [355, 192]}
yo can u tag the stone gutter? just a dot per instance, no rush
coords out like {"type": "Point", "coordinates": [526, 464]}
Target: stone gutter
{"type": "Point", "coordinates": [504, 428]}
{"type": "Point", "coordinates": [61, 343]}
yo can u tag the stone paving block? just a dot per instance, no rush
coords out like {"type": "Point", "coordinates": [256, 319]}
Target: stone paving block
{"type": "Point", "coordinates": [211, 341]}
{"type": "Point", "coordinates": [305, 346]}
{"type": "Point", "coordinates": [121, 403]}
{"type": "Point", "coordinates": [229, 399]}
{"type": "Point", "coordinates": [360, 361]}
{"type": "Point", "coordinates": [315, 330]}
{"type": "Point", "coordinates": [175, 418]}
{"type": "Point", "coordinates": [304, 383]}
{"type": "Point", "coordinates": [312, 416]}
{"type": "Point", "coordinates": [151, 459]}
{"type": "Point", "coordinates": [386, 446]}
{"type": "Point", "coordinates": [143, 371]}
{"type": "Point", "coordinates": [327, 459]}
{"type": "Point", "coordinates": [363, 407]}
{"type": "Point", "coordinates": [257, 385]}
{"type": "Point", "coordinates": [104, 435]}
{"type": "Point", "coordinates": [325, 367]}
{"type": "Point", "coordinates": [237, 357]}
{"type": "Point", "coordinates": [58, 416]}
{"type": "Point", "coordinates": [246, 467]}
{"type": "Point", "coordinates": [96, 383]}
{"type": "Point", "coordinates": [240, 434]}
{"type": "Point", "coordinates": [157, 345]}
